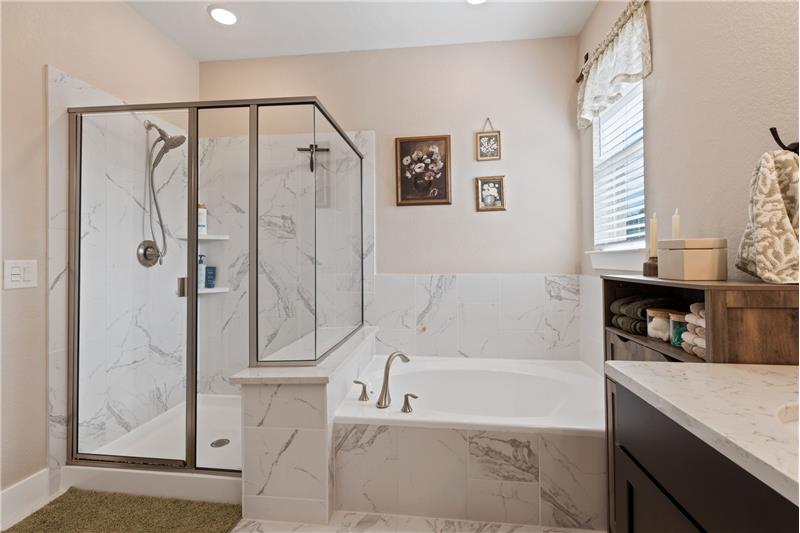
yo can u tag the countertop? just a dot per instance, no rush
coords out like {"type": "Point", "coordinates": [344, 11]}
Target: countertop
{"type": "Point", "coordinates": [730, 407]}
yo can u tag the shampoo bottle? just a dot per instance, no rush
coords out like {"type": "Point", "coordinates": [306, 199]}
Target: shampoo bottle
{"type": "Point", "coordinates": [201, 271]}
{"type": "Point", "coordinates": [202, 219]}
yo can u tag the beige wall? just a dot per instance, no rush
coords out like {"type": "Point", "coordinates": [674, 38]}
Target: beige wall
{"type": "Point", "coordinates": [113, 48]}
{"type": "Point", "coordinates": [723, 73]}
{"type": "Point", "coordinates": [527, 89]}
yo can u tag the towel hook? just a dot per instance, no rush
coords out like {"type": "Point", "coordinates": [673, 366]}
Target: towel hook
{"type": "Point", "coordinates": [793, 147]}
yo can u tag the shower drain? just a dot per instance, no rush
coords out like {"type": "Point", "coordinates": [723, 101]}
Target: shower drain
{"type": "Point", "coordinates": [219, 443]}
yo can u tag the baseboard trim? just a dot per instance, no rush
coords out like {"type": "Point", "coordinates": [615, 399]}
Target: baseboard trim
{"type": "Point", "coordinates": [23, 498]}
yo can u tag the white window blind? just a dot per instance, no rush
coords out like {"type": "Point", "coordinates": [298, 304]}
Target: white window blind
{"type": "Point", "coordinates": [619, 216]}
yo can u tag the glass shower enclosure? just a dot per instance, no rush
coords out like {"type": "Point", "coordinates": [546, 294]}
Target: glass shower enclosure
{"type": "Point", "coordinates": [205, 237]}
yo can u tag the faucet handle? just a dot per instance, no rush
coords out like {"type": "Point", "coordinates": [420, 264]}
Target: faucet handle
{"type": "Point", "coordinates": [407, 404]}
{"type": "Point", "coordinates": [364, 396]}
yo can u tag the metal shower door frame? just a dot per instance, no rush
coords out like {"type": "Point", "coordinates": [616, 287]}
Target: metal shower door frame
{"type": "Point", "coordinates": [76, 114]}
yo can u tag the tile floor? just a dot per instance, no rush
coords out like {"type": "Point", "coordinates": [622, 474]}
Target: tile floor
{"type": "Point", "coordinates": [350, 522]}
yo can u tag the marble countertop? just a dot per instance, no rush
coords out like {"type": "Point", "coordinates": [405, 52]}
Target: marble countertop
{"type": "Point", "coordinates": [730, 407]}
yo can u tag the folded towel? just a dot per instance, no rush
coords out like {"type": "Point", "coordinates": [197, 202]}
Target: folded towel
{"type": "Point", "coordinates": [691, 327]}
{"type": "Point", "coordinates": [631, 325]}
{"type": "Point", "coordinates": [699, 352]}
{"type": "Point", "coordinates": [769, 247]}
{"type": "Point", "coordinates": [700, 341]}
{"type": "Point", "coordinates": [688, 347]}
{"type": "Point", "coordinates": [696, 308]}
{"type": "Point", "coordinates": [617, 304]}
{"type": "Point", "coordinates": [638, 308]}
{"type": "Point", "coordinates": [691, 318]}
{"type": "Point", "coordinates": [700, 332]}
{"type": "Point", "coordinates": [688, 337]}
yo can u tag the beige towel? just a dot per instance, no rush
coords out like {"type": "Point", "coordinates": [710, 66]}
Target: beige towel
{"type": "Point", "coordinates": [699, 341]}
{"type": "Point", "coordinates": [691, 318]}
{"type": "Point", "coordinates": [769, 245]}
{"type": "Point", "coordinates": [700, 332]}
{"type": "Point", "coordinates": [688, 347]}
{"type": "Point", "coordinates": [699, 352]}
{"type": "Point", "coordinates": [697, 308]}
{"type": "Point", "coordinates": [691, 327]}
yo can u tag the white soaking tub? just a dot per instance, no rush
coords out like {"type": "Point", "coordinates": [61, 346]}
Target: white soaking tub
{"type": "Point", "coordinates": [499, 394]}
{"type": "Point", "coordinates": [495, 440]}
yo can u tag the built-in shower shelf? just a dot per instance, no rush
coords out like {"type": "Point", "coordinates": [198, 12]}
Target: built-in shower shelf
{"type": "Point", "coordinates": [215, 290]}
{"type": "Point", "coordinates": [207, 237]}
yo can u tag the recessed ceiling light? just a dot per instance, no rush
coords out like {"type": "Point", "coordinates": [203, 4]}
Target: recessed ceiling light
{"type": "Point", "coordinates": [475, 2]}
{"type": "Point", "coordinates": [222, 15]}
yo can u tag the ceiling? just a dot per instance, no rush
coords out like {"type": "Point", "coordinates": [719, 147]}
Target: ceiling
{"type": "Point", "coordinates": [269, 29]}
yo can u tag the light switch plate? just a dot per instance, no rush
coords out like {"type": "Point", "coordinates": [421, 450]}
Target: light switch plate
{"type": "Point", "coordinates": [20, 273]}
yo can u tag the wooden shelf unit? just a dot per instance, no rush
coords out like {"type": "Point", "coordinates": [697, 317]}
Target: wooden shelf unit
{"type": "Point", "coordinates": [747, 322]}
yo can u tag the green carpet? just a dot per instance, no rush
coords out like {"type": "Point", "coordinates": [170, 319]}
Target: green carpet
{"type": "Point", "coordinates": [86, 511]}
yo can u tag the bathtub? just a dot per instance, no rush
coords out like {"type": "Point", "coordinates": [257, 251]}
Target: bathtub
{"type": "Point", "coordinates": [495, 440]}
{"type": "Point", "coordinates": [496, 394]}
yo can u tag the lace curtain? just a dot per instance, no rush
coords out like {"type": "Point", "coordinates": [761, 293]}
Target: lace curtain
{"type": "Point", "coordinates": [623, 57]}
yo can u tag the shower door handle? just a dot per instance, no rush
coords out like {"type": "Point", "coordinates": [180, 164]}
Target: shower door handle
{"type": "Point", "coordinates": [182, 284]}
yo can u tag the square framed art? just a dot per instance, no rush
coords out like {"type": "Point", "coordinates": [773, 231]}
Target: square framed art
{"type": "Point", "coordinates": [423, 170]}
{"type": "Point", "coordinates": [487, 145]}
{"type": "Point", "coordinates": [490, 193]}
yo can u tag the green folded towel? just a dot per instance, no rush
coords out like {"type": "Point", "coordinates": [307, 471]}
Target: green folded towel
{"type": "Point", "coordinates": [631, 325]}
{"type": "Point", "coordinates": [638, 308]}
{"type": "Point", "coordinates": [616, 305]}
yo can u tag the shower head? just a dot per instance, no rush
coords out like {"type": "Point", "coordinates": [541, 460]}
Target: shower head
{"type": "Point", "coordinates": [170, 141]}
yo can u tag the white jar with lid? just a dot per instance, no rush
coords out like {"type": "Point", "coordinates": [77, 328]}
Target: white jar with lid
{"type": "Point", "coordinates": [202, 219]}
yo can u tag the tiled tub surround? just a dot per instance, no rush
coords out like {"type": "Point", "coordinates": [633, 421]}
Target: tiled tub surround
{"type": "Point", "coordinates": [552, 479]}
{"type": "Point", "coordinates": [492, 440]}
{"type": "Point", "coordinates": [287, 470]}
{"type": "Point", "coordinates": [527, 316]}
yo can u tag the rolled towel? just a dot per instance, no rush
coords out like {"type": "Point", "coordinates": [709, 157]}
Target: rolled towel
{"type": "Point", "coordinates": [696, 308]}
{"type": "Point", "coordinates": [700, 332]}
{"type": "Point", "coordinates": [699, 352]}
{"type": "Point", "coordinates": [688, 337]}
{"type": "Point", "coordinates": [692, 328]}
{"type": "Point", "coordinates": [702, 313]}
{"type": "Point", "coordinates": [692, 318]}
{"type": "Point", "coordinates": [618, 303]}
{"type": "Point", "coordinates": [688, 347]}
{"type": "Point", "coordinates": [700, 341]}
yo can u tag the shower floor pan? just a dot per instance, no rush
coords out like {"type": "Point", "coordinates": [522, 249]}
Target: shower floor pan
{"type": "Point", "coordinates": [218, 420]}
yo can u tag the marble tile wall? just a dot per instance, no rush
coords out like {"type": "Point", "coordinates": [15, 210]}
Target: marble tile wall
{"type": "Point", "coordinates": [531, 316]}
{"type": "Point", "coordinates": [523, 478]}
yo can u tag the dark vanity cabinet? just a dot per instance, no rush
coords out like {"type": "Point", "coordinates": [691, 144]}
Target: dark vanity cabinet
{"type": "Point", "coordinates": [667, 480]}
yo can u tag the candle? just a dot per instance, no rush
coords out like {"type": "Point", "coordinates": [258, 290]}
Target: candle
{"type": "Point", "coordinates": [653, 236]}
{"type": "Point", "coordinates": [676, 225]}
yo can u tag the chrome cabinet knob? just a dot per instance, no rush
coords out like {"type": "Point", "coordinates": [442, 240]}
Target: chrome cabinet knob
{"type": "Point", "coordinates": [364, 396]}
{"type": "Point", "coordinates": [407, 404]}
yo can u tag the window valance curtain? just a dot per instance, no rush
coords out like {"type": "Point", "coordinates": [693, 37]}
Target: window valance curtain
{"type": "Point", "coordinates": [623, 57]}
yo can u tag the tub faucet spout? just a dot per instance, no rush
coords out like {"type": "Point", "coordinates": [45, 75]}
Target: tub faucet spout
{"type": "Point", "coordinates": [384, 400]}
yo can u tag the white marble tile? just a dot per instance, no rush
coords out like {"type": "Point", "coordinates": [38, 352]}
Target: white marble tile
{"type": "Point", "coordinates": [366, 468]}
{"type": "Point", "coordinates": [522, 299]}
{"type": "Point", "coordinates": [432, 472]}
{"type": "Point", "coordinates": [307, 511]}
{"type": "Point", "coordinates": [436, 308]}
{"type": "Point", "coordinates": [504, 456]}
{"type": "Point", "coordinates": [392, 340]}
{"type": "Point", "coordinates": [284, 406]}
{"type": "Point", "coordinates": [392, 307]}
{"type": "Point", "coordinates": [288, 463]}
{"type": "Point", "coordinates": [478, 288]}
{"type": "Point", "coordinates": [503, 501]}
{"type": "Point", "coordinates": [479, 334]}
{"type": "Point", "coordinates": [573, 481]}
{"type": "Point", "coordinates": [562, 291]}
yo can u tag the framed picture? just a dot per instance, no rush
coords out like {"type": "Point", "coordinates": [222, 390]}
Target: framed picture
{"type": "Point", "coordinates": [423, 170]}
{"type": "Point", "coordinates": [487, 145]}
{"type": "Point", "coordinates": [490, 193]}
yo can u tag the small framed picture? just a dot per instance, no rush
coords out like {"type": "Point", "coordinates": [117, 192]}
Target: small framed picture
{"type": "Point", "coordinates": [490, 193]}
{"type": "Point", "coordinates": [487, 145]}
{"type": "Point", "coordinates": [423, 170]}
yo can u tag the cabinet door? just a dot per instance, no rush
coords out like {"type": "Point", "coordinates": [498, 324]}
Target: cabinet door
{"type": "Point", "coordinates": [640, 505]}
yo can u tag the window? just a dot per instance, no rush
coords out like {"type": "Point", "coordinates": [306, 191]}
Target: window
{"type": "Point", "coordinates": [618, 134]}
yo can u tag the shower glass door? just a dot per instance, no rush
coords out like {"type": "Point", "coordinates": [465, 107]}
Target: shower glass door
{"type": "Point", "coordinates": [131, 250]}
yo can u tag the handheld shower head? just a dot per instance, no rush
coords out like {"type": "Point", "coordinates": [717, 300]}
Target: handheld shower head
{"type": "Point", "coordinates": [170, 141]}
